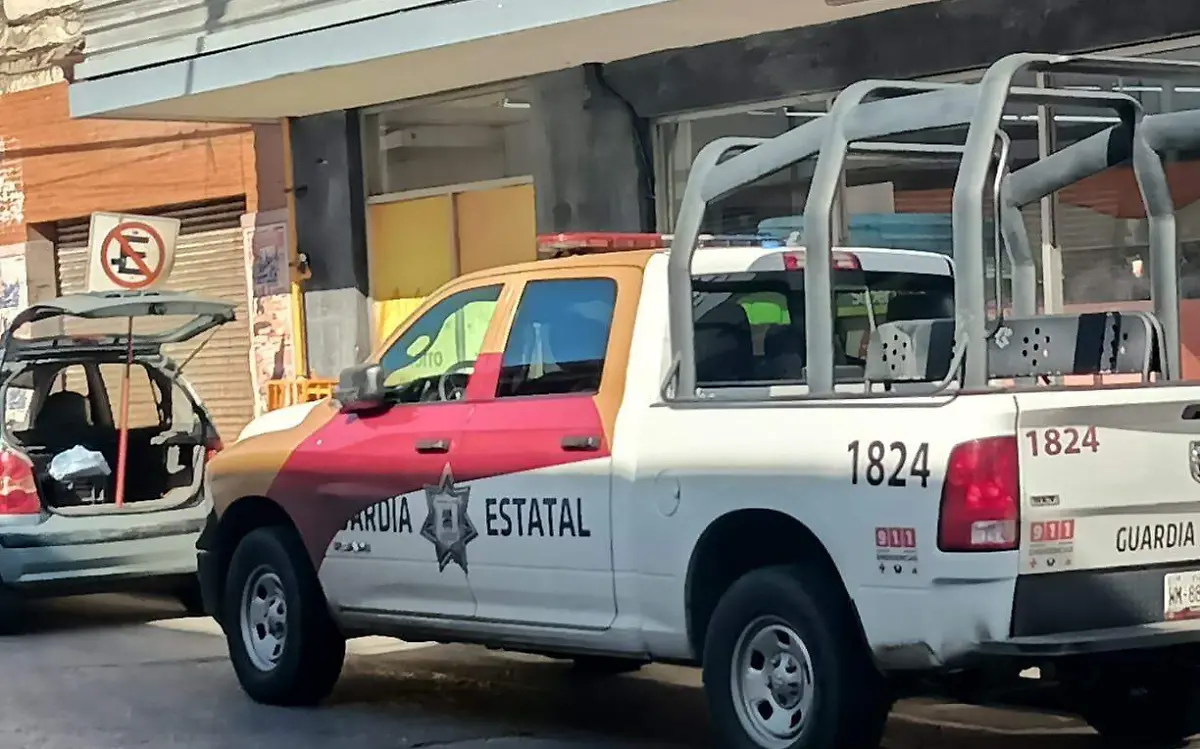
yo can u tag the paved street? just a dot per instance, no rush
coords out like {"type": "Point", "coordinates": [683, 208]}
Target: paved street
{"type": "Point", "coordinates": [120, 673]}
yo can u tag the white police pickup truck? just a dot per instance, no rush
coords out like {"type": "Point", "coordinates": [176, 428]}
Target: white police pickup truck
{"type": "Point", "coordinates": [816, 473]}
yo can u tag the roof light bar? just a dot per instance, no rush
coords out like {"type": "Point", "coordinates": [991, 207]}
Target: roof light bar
{"type": "Point", "coordinates": [581, 243]}
{"type": "Point", "coordinates": [794, 260]}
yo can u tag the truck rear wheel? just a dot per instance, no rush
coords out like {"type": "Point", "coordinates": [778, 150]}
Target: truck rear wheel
{"type": "Point", "coordinates": [1162, 711]}
{"type": "Point", "coordinates": [284, 645]}
{"type": "Point", "coordinates": [785, 667]}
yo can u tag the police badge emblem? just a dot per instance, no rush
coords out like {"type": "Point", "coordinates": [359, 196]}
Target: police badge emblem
{"type": "Point", "coordinates": [447, 525]}
{"type": "Point", "coordinates": [1194, 460]}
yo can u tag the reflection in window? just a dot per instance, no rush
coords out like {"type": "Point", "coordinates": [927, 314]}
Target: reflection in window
{"type": "Point", "coordinates": [438, 141]}
{"type": "Point", "coordinates": [1100, 222]}
{"type": "Point", "coordinates": [446, 339]}
{"type": "Point", "coordinates": [781, 194]}
{"type": "Point", "coordinates": [559, 338]}
{"type": "Point", "coordinates": [749, 327]}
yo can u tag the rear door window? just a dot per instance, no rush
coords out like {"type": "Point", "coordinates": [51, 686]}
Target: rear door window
{"type": "Point", "coordinates": [145, 400]}
{"type": "Point", "coordinates": [749, 327]}
{"type": "Point", "coordinates": [559, 338]}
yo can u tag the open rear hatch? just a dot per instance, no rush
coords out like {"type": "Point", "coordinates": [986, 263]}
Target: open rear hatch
{"type": "Point", "coordinates": [1110, 480]}
{"type": "Point", "coordinates": [89, 334]}
{"type": "Point", "coordinates": [173, 318]}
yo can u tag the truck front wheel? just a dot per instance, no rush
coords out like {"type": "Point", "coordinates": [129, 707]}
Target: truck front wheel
{"type": "Point", "coordinates": [284, 645]}
{"type": "Point", "coordinates": [785, 667]}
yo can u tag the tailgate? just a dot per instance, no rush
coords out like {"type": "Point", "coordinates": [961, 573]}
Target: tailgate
{"type": "Point", "coordinates": [1110, 484]}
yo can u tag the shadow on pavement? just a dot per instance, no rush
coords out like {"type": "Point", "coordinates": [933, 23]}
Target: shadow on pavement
{"type": "Point", "coordinates": [71, 613]}
{"type": "Point", "coordinates": [658, 705]}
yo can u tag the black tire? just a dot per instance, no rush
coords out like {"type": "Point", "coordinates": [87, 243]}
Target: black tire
{"type": "Point", "coordinates": [189, 596]}
{"type": "Point", "coordinates": [313, 651]}
{"type": "Point", "coordinates": [599, 665]}
{"type": "Point", "coordinates": [14, 615]}
{"type": "Point", "coordinates": [1161, 713]}
{"type": "Point", "coordinates": [850, 701]}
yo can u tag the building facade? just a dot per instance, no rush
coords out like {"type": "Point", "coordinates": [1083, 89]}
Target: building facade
{"type": "Point", "coordinates": [433, 138]}
{"type": "Point", "coordinates": [225, 182]}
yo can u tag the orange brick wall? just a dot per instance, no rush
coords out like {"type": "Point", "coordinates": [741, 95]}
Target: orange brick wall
{"type": "Point", "coordinates": [72, 167]}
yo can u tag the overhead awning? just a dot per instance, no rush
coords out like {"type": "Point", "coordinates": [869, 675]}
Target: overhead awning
{"type": "Point", "coordinates": [289, 64]}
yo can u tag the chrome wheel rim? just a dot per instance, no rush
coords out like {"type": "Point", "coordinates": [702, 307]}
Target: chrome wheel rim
{"type": "Point", "coordinates": [264, 618]}
{"type": "Point", "coordinates": [772, 682]}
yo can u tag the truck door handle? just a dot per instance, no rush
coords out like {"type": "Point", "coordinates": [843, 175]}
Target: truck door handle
{"type": "Point", "coordinates": [1191, 412]}
{"type": "Point", "coordinates": [433, 446]}
{"type": "Point", "coordinates": [581, 444]}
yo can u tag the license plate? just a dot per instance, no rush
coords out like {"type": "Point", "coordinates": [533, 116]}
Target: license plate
{"type": "Point", "coordinates": [1181, 595]}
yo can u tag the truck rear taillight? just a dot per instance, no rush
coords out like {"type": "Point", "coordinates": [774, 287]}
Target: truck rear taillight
{"type": "Point", "coordinates": [981, 497]}
{"type": "Point", "coordinates": [18, 489]}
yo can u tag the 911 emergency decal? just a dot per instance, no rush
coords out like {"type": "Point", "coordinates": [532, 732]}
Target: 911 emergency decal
{"type": "Point", "coordinates": [896, 550]}
{"type": "Point", "coordinates": [1051, 544]}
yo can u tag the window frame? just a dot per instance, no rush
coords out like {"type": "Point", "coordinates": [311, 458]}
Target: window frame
{"type": "Point", "coordinates": [500, 317]}
{"type": "Point", "coordinates": [598, 273]}
{"type": "Point", "coordinates": [776, 285]}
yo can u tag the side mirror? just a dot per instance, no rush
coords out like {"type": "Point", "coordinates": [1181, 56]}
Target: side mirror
{"type": "Point", "coordinates": [360, 388]}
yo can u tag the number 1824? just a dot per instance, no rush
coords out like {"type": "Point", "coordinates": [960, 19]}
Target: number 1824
{"type": "Point", "coordinates": [1066, 441]}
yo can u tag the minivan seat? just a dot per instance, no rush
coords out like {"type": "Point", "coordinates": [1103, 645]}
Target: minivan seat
{"type": "Point", "coordinates": [62, 422]}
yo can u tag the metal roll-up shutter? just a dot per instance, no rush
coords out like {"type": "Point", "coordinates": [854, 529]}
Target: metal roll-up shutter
{"type": "Point", "coordinates": [209, 262]}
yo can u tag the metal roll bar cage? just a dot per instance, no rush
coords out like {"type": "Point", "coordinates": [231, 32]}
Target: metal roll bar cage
{"type": "Point", "coordinates": [912, 107]}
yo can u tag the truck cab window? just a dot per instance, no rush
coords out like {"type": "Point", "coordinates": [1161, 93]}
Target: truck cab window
{"type": "Point", "coordinates": [750, 326]}
{"type": "Point", "coordinates": [439, 346]}
{"type": "Point", "coordinates": [559, 338]}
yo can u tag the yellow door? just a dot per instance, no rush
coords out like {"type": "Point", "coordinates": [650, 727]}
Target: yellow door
{"type": "Point", "coordinates": [412, 253]}
{"type": "Point", "coordinates": [417, 245]}
{"type": "Point", "coordinates": [495, 227]}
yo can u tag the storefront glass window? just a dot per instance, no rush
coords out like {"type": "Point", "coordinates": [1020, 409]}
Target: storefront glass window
{"type": "Point", "coordinates": [781, 194]}
{"type": "Point", "coordinates": [475, 137]}
{"type": "Point", "coordinates": [1100, 223]}
{"type": "Point", "coordinates": [901, 202]}
{"type": "Point", "coordinates": [1096, 246]}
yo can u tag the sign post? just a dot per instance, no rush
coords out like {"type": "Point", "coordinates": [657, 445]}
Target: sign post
{"type": "Point", "coordinates": [129, 253]}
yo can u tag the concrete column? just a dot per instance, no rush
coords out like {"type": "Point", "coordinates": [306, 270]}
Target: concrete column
{"type": "Point", "coordinates": [41, 275]}
{"type": "Point", "coordinates": [593, 167]}
{"type": "Point", "coordinates": [331, 232]}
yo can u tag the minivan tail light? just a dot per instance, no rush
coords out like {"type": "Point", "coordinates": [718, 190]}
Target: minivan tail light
{"type": "Point", "coordinates": [981, 497]}
{"type": "Point", "coordinates": [18, 488]}
{"type": "Point", "coordinates": [213, 446]}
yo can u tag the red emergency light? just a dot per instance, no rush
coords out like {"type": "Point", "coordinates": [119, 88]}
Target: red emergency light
{"type": "Point", "coordinates": [580, 243]}
{"type": "Point", "coordinates": [583, 243]}
{"type": "Point", "coordinates": [794, 260]}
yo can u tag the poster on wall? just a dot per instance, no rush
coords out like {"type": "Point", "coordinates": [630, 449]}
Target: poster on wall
{"type": "Point", "coordinates": [13, 291]}
{"type": "Point", "coordinates": [14, 297]}
{"type": "Point", "coordinates": [269, 261]}
{"type": "Point", "coordinates": [271, 334]}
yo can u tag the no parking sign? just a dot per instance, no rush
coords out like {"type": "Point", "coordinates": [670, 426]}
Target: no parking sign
{"type": "Point", "coordinates": [130, 253]}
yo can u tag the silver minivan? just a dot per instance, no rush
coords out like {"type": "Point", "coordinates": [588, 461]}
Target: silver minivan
{"type": "Point", "coordinates": [61, 384]}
